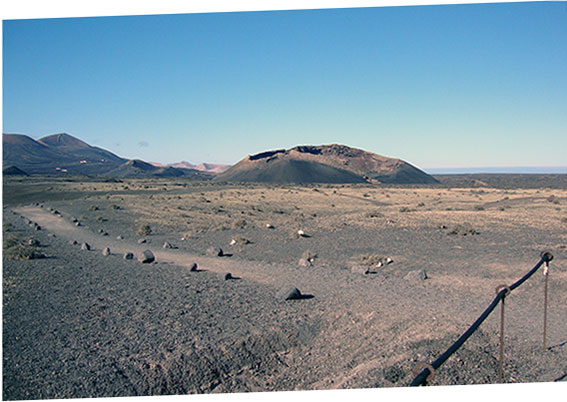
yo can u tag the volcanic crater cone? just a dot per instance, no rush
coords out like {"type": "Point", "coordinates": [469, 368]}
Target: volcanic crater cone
{"type": "Point", "coordinates": [324, 164]}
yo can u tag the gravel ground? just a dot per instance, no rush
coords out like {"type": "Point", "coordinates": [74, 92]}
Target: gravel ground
{"type": "Point", "coordinates": [80, 324]}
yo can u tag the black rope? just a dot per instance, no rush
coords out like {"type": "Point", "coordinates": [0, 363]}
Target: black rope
{"type": "Point", "coordinates": [421, 378]}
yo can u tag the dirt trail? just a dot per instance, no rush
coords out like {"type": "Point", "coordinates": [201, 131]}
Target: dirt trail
{"type": "Point", "coordinates": [61, 227]}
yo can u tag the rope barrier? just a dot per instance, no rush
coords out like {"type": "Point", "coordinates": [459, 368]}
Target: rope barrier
{"type": "Point", "coordinates": [421, 378]}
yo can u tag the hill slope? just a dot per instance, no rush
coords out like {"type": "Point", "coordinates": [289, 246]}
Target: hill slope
{"type": "Point", "coordinates": [57, 153]}
{"type": "Point", "coordinates": [324, 164]}
{"type": "Point", "coordinates": [63, 153]}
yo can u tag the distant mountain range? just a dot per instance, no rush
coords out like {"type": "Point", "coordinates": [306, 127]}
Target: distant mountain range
{"type": "Point", "coordinates": [203, 167]}
{"type": "Point", "coordinates": [65, 154]}
{"type": "Point", "coordinates": [324, 164]}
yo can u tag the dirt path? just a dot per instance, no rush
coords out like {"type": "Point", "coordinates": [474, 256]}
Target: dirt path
{"type": "Point", "coordinates": [65, 229]}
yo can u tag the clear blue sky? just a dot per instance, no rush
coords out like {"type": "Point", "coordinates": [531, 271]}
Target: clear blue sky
{"type": "Point", "coordinates": [438, 86]}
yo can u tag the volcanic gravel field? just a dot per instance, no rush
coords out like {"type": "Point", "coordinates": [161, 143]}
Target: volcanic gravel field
{"type": "Point", "coordinates": [78, 323]}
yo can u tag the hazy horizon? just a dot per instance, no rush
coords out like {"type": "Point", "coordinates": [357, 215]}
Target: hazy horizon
{"type": "Point", "coordinates": [441, 87]}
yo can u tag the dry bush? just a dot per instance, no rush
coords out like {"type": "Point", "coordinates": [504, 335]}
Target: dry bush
{"type": "Point", "coordinates": [15, 249]}
{"type": "Point", "coordinates": [144, 230]}
{"type": "Point", "coordinates": [463, 229]}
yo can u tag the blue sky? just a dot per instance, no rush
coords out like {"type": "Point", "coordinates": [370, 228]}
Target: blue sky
{"type": "Point", "coordinates": [451, 86]}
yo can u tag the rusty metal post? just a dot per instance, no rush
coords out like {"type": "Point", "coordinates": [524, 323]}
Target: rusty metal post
{"type": "Point", "coordinates": [501, 363]}
{"type": "Point", "coordinates": [546, 274]}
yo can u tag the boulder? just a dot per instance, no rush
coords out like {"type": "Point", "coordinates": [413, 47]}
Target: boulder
{"type": "Point", "coordinates": [304, 262]}
{"type": "Point", "coordinates": [85, 246]}
{"type": "Point", "coordinates": [146, 257]}
{"type": "Point", "coordinates": [168, 245]}
{"type": "Point", "coordinates": [129, 256]}
{"type": "Point", "coordinates": [228, 276]}
{"type": "Point", "coordinates": [142, 241]}
{"type": "Point", "coordinates": [106, 251]}
{"type": "Point", "coordinates": [215, 251]}
{"type": "Point", "coordinates": [289, 293]}
{"type": "Point", "coordinates": [73, 242]}
{"type": "Point", "coordinates": [193, 267]}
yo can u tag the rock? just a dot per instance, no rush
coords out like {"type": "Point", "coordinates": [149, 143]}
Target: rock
{"type": "Point", "coordinates": [289, 293]}
{"type": "Point", "coordinates": [360, 269]}
{"type": "Point", "coordinates": [168, 245]}
{"type": "Point", "coordinates": [215, 251]}
{"type": "Point", "coordinates": [239, 240]}
{"type": "Point", "coordinates": [37, 227]}
{"type": "Point", "coordinates": [269, 226]}
{"type": "Point", "coordinates": [51, 235]}
{"type": "Point", "coordinates": [119, 238]}
{"type": "Point", "coordinates": [129, 256]}
{"type": "Point", "coordinates": [304, 262]}
{"type": "Point", "coordinates": [417, 275]}
{"type": "Point", "coordinates": [193, 267]}
{"type": "Point", "coordinates": [85, 246]}
{"type": "Point", "coordinates": [77, 223]}
{"type": "Point", "coordinates": [73, 242]}
{"type": "Point", "coordinates": [146, 257]}
{"type": "Point", "coordinates": [142, 241]}
{"type": "Point", "coordinates": [228, 276]}
{"type": "Point", "coordinates": [301, 233]}
{"type": "Point", "coordinates": [33, 242]}
{"type": "Point", "coordinates": [74, 220]}
{"type": "Point", "coordinates": [101, 231]}
{"type": "Point", "coordinates": [106, 251]}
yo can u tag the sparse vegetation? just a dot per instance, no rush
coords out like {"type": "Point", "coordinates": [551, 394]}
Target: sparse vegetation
{"type": "Point", "coordinates": [463, 229]}
{"type": "Point", "coordinates": [144, 230]}
{"type": "Point", "coordinates": [17, 249]}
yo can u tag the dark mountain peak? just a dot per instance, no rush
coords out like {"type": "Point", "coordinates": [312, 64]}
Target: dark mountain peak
{"type": "Point", "coordinates": [63, 140]}
{"type": "Point", "coordinates": [12, 170]}
{"type": "Point", "coordinates": [139, 164]}
{"type": "Point", "coordinates": [19, 140]}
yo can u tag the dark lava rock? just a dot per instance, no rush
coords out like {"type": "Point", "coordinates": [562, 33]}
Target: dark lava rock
{"type": "Point", "coordinates": [147, 257]}
{"type": "Point", "coordinates": [289, 293]}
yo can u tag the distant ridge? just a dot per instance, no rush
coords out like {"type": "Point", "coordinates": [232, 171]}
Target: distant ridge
{"type": "Point", "coordinates": [13, 171]}
{"type": "Point", "coordinates": [324, 164]}
{"type": "Point", "coordinates": [138, 168]}
{"type": "Point", "coordinates": [64, 154]}
{"type": "Point", "coordinates": [213, 168]}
